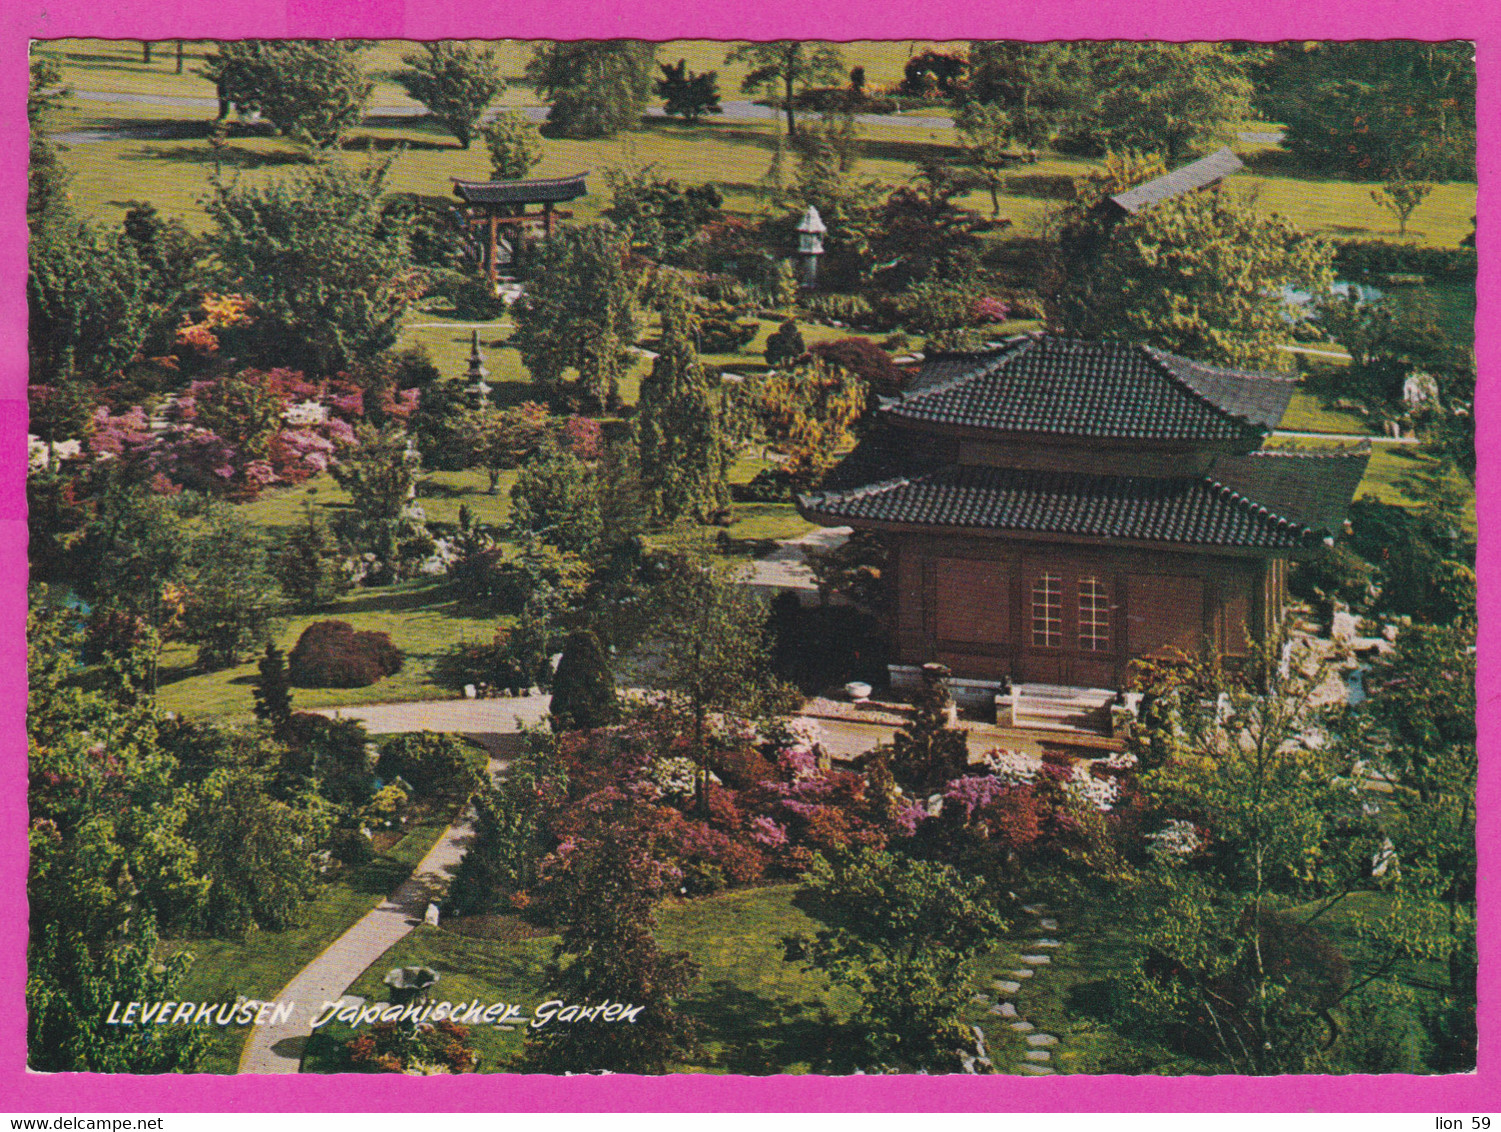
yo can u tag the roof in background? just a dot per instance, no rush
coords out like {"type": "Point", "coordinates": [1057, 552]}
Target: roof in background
{"type": "Point", "coordinates": [1194, 175]}
{"type": "Point", "coordinates": [1098, 390]}
{"type": "Point", "coordinates": [541, 191]}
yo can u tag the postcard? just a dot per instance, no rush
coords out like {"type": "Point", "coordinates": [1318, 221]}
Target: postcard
{"type": "Point", "coordinates": [749, 564]}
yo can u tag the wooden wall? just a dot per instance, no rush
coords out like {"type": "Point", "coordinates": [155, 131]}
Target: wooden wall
{"type": "Point", "coordinates": [968, 604]}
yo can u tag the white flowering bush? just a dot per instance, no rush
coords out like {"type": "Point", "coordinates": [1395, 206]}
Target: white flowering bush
{"type": "Point", "coordinates": [1015, 768]}
{"type": "Point", "coordinates": [1176, 841]}
{"type": "Point", "coordinates": [674, 776]}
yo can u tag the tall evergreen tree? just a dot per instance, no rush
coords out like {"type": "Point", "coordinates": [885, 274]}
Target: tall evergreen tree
{"type": "Point", "coordinates": [682, 453]}
{"type": "Point", "coordinates": [273, 691]}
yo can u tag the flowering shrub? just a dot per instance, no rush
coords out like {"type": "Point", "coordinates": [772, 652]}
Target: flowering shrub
{"type": "Point", "coordinates": [583, 437]}
{"type": "Point", "coordinates": [1177, 840]}
{"type": "Point", "coordinates": [433, 1048]}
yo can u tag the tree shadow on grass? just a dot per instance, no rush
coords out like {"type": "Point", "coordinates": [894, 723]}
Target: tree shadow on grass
{"type": "Point", "coordinates": [760, 1036]}
{"type": "Point", "coordinates": [230, 156]}
{"type": "Point", "coordinates": [403, 601]}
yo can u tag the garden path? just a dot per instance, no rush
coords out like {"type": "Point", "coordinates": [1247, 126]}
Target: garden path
{"type": "Point", "coordinates": [279, 1048]}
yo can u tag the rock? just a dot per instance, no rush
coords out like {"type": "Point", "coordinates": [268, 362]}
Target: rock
{"type": "Point", "coordinates": [1004, 1009]}
{"type": "Point", "coordinates": [1024, 974]}
{"type": "Point", "coordinates": [979, 1040]}
{"type": "Point", "coordinates": [1047, 925]}
{"type": "Point", "coordinates": [469, 692]}
{"type": "Point", "coordinates": [968, 1062]}
{"type": "Point", "coordinates": [1042, 1039]}
{"type": "Point", "coordinates": [1005, 987]}
{"type": "Point", "coordinates": [1034, 1070]}
{"type": "Point", "coordinates": [1046, 943]}
{"type": "Point", "coordinates": [1032, 909]}
{"type": "Point", "coordinates": [1037, 960]}
{"type": "Point", "coordinates": [982, 999]}
{"type": "Point", "coordinates": [431, 918]}
{"type": "Point", "coordinates": [1038, 1055]}
{"type": "Point", "coordinates": [1023, 1027]}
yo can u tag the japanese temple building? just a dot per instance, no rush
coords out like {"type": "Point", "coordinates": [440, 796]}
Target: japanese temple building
{"type": "Point", "coordinates": [495, 205]}
{"type": "Point", "coordinates": [1055, 508]}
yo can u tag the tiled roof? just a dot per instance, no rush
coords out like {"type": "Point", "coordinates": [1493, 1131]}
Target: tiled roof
{"type": "Point", "coordinates": [541, 191]}
{"type": "Point", "coordinates": [1310, 487]}
{"type": "Point", "coordinates": [1102, 390]}
{"type": "Point", "coordinates": [1194, 175]}
{"type": "Point", "coordinates": [1307, 498]}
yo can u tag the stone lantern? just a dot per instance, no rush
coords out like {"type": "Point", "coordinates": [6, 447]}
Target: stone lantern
{"type": "Point", "coordinates": [478, 389]}
{"type": "Point", "coordinates": [810, 232]}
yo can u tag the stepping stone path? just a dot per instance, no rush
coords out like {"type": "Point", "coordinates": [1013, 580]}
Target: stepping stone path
{"type": "Point", "coordinates": [1038, 1042]}
{"type": "Point", "coordinates": [982, 999]}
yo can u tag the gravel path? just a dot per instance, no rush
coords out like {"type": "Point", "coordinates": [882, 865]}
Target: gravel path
{"type": "Point", "coordinates": [279, 1048]}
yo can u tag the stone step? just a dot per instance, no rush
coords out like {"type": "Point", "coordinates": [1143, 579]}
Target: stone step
{"type": "Point", "coordinates": [1034, 1070]}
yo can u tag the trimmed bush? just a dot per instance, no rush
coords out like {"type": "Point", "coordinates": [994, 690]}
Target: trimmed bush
{"type": "Point", "coordinates": [1364, 259]}
{"type": "Point", "coordinates": [431, 763]}
{"type": "Point", "coordinates": [333, 654]}
{"type": "Point", "coordinates": [583, 690]}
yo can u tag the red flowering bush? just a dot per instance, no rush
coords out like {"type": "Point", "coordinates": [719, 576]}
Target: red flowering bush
{"type": "Point", "coordinates": [436, 1047]}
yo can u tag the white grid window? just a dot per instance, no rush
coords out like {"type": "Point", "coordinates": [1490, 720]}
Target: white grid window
{"type": "Point", "coordinates": [1094, 615]}
{"type": "Point", "coordinates": [1047, 611]}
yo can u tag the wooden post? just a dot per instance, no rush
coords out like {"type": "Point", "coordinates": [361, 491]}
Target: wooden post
{"type": "Point", "coordinates": [179, 56]}
{"type": "Point", "coordinates": [490, 250]}
{"type": "Point", "coordinates": [547, 219]}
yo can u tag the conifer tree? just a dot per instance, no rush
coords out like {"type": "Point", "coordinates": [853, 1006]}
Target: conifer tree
{"type": "Point", "coordinates": [273, 692]}
{"type": "Point", "coordinates": [583, 689]}
{"type": "Point", "coordinates": [927, 752]}
{"type": "Point", "coordinates": [682, 453]}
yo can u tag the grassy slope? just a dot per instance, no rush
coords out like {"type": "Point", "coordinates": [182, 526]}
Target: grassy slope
{"type": "Point", "coordinates": [263, 962]}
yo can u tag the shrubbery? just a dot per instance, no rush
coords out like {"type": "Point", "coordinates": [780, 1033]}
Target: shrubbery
{"type": "Point", "coordinates": [431, 763]}
{"type": "Point", "coordinates": [333, 654]}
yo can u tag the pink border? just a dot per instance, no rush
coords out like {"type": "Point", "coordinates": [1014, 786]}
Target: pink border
{"type": "Point", "coordinates": [846, 19]}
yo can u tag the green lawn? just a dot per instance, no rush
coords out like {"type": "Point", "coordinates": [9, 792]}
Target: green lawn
{"type": "Point", "coordinates": [259, 965]}
{"type": "Point", "coordinates": [426, 619]}
{"type": "Point", "coordinates": [757, 1013]}
{"type": "Point", "coordinates": [1307, 413]}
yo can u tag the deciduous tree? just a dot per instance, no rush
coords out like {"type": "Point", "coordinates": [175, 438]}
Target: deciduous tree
{"type": "Point", "coordinates": [903, 933]}
{"type": "Point", "coordinates": [1202, 274]}
{"type": "Point", "coordinates": [794, 64]}
{"type": "Point", "coordinates": [313, 91]}
{"type": "Point", "coordinates": [455, 81]}
{"type": "Point", "coordinates": [514, 144]}
{"type": "Point", "coordinates": [594, 89]}
{"type": "Point", "coordinates": [578, 316]}
{"type": "Point", "coordinates": [327, 264]}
